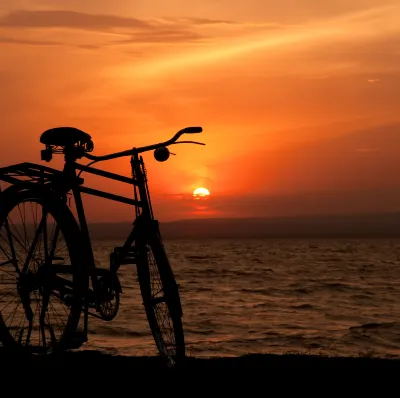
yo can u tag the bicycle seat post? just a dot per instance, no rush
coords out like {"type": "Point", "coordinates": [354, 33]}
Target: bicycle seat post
{"type": "Point", "coordinates": [72, 153]}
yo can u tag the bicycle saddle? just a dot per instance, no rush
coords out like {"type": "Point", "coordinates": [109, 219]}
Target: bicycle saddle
{"type": "Point", "coordinates": [64, 136]}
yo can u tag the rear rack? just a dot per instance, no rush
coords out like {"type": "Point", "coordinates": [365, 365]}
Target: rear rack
{"type": "Point", "coordinates": [30, 172]}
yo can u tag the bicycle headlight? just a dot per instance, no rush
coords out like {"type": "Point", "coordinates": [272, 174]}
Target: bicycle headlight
{"type": "Point", "coordinates": [161, 154]}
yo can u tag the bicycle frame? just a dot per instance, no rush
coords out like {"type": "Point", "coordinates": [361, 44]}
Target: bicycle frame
{"type": "Point", "coordinates": [141, 201]}
{"type": "Point", "coordinates": [68, 181]}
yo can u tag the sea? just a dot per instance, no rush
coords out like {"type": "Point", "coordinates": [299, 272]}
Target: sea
{"type": "Point", "coordinates": [241, 296]}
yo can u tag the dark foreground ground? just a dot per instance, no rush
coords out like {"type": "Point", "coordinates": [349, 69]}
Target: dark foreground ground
{"type": "Point", "coordinates": [93, 360]}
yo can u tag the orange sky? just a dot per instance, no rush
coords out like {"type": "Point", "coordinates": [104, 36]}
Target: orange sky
{"type": "Point", "coordinates": [299, 100]}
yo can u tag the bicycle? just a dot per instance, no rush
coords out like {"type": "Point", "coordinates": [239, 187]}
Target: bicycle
{"type": "Point", "coordinates": [42, 277]}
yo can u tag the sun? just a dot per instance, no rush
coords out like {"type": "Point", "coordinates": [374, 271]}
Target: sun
{"type": "Point", "coordinates": [201, 192]}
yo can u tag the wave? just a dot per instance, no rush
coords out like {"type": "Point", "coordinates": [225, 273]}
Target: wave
{"type": "Point", "coordinates": [117, 331]}
{"type": "Point", "coordinates": [202, 258]}
{"type": "Point", "coordinates": [303, 307]}
{"type": "Point", "coordinates": [374, 326]}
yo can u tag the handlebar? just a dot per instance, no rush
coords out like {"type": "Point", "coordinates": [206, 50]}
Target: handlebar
{"type": "Point", "coordinates": [130, 152]}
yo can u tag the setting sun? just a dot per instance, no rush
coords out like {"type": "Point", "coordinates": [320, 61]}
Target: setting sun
{"type": "Point", "coordinates": [201, 192]}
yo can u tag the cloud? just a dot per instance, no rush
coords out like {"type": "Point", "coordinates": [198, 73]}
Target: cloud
{"type": "Point", "coordinates": [103, 22]}
{"type": "Point", "coordinates": [88, 46]}
{"type": "Point", "coordinates": [10, 40]}
{"type": "Point", "coordinates": [69, 19]}
{"type": "Point", "coordinates": [134, 30]}
{"type": "Point", "coordinates": [360, 42]}
{"type": "Point", "coordinates": [161, 36]}
{"type": "Point", "coordinates": [201, 21]}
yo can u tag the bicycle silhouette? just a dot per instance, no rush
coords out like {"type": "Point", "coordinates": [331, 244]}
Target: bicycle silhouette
{"type": "Point", "coordinates": [48, 276]}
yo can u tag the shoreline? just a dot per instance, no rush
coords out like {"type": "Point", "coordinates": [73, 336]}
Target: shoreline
{"type": "Point", "coordinates": [97, 359]}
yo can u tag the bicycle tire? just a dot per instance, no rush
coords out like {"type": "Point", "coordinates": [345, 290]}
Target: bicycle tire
{"type": "Point", "coordinates": [10, 199]}
{"type": "Point", "coordinates": [167, 328]}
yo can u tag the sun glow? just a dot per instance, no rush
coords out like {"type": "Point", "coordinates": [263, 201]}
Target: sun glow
{"type": "Point", "coordinates": [201, 192]}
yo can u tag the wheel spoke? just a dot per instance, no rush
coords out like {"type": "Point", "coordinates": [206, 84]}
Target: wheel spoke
{"type": "Point", "coordinates": [23, 222]}
{"type": "Point", "coordinates": [45, 243]}
{"type": "Point", "coordinates": [21, 245]}
{"type": "Point", "coordinates": [158, 291]}
{"type": "Point", "coordinates": [14, 258]}
{"type": "Point", "coordinates": [38, 302]}
{"type": "Point", "coordinates": [3, 308]}
{"type": "Point", "coordinates": [6, 263]}
{"type": "Point", "coordinates": [32, 249]}
{"type": "Point", "coordinates": [54, 241]}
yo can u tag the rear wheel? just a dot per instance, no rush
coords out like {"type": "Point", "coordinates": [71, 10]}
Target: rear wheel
{"type": "Point", "coordinates": [40, 271]}
{"type": "Point", "coordinates": [161, 298]}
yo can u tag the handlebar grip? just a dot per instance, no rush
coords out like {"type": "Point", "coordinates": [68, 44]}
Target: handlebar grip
{"type": "Point", "coordinates": [191, 130]}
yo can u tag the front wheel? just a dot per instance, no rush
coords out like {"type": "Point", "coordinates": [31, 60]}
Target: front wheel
{"type": "Point", "coordinates": [160, 298]}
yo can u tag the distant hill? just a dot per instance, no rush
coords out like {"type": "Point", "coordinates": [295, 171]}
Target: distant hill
{"type": "Point", "coordinates": [347, 226]}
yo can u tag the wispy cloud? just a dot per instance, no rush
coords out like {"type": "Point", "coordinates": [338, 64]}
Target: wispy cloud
{"type": "Point", "coordinates": [342, 33]}
{"type": "Point", "coordinates": [160, 36]}
{"type": "Point", "coordinates": [10, 40]}
{"type": "Point", "coordinates": [79, 20]}
{"type": "Point", "coordinates": [200, 21]}
{"type": "Point", "coordinates": [69, 19]}
{"type": "Point", "coordinates": [131, 30]}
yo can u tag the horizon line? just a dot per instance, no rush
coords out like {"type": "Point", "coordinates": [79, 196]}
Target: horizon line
{"type": "Point", "coordinates": [299, 216]}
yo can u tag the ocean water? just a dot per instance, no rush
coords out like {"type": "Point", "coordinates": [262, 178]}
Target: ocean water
{"type": "Point", "coordinates": [333, 297]}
